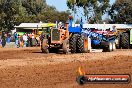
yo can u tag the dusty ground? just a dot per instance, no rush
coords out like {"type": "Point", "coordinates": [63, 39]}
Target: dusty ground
{"type": "Point", "coordinates": [29, 68]}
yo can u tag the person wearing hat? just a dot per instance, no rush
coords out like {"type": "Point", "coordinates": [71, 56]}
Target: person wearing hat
{"type": "Point", "coordinates": [114, 30]}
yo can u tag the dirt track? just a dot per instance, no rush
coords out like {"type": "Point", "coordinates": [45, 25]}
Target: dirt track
{"type": "Point", "coordinates": [29, 68]}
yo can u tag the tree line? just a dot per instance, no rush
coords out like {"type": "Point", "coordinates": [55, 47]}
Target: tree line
{"type": "Point", "coordinates": [119, 12]}
{"type": "Point", "coordinates": [14, 12]}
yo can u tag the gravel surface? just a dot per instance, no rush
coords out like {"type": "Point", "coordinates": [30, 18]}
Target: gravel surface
{"type": "Point", "coordinates": [29, 68]}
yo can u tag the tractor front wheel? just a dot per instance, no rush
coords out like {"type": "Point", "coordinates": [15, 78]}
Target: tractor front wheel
{"type": "Point", "coordinates": [113, 46]}
{"type": "Point", "coordinates": [45, 46]}
{"type": "Point", "coordinates": [110, 47]}
{"type": "Point", "coordinates": [66, 46]}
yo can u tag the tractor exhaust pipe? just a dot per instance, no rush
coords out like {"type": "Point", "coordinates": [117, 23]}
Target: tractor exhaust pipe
{"type": "Point", "coordinates": [67, 31]}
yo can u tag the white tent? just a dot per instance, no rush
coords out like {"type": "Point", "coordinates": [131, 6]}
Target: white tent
{"type": "Point", "coordinates": [106, 26]}
{"type": "Point", "coordinates": [34, 25]}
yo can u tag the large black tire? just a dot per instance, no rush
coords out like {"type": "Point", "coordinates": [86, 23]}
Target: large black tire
{"type": "Point", "coordinates": [34, 42]}
{"type": "Point", "coordinates": [113, 46]}
{"type": "Point", "coordinates": [82, 44]}
{"type": "Point", "coordinates": [109, 47]}
{"type": "Point", "coordinates": [125, 41]}
{"type": "Point", "coordinates": [53, 50]}
{"type": "Point", "coordinates": [118, 45]}
{"type": "Point", "coordinates": [66, 46]}
{"type": "Point", "coordinates": [73, 43]}
{"type": "Point", "coordinates": [45, 46]}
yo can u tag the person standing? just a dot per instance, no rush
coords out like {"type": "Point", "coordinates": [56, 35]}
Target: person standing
{"type": "Point", "coordinates": [30, 39]}
{"type": "Point", "coordinates": [33, 40]}
{"type": "Point", "coordinates": [41, 37]}
{"type": "Point", "coordinates": [25, 38]}
{"type": "Point", "coordinates": [16, 40]}
{"type": "Point", "coordinates": [8, 40]}
{"type": "Point", "coordinates": [0, 41]}
{"type": "Point", "coordinates": [21, 41]}
{"type": "Point", "coordinates": [3, 39]}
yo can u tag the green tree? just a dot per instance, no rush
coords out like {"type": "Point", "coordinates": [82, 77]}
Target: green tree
{"type": "Point", "coordinates": [121, 11]}
{"type": "Point", "coordinates": [7, 12]}
{"type": "Point", "coordinates": [92, 8]}
{"type": "Point", "coordinates": [14, 12]}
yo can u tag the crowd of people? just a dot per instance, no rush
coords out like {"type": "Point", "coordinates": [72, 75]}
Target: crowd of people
{"type": "Point", "coordinates": [5, 39]}
{"type": "Point", "coordinates": [26, 40]}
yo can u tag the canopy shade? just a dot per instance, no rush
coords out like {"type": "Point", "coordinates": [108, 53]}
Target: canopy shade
{"type": "Point", "coordinates": [35, 25]}
{"type": "Point", "coordinates": [48, 25]}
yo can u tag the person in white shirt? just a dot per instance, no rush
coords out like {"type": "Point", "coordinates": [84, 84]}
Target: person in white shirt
{"type": "Point", "coordinates": [25, 38]}
{"type": "Point", "coordinates": [114, 29]}
{"type": "Point", "coordinates": [32, 36]}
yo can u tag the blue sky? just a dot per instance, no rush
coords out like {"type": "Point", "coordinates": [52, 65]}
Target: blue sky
{"type": "Point", "coordinates": [61, 4]}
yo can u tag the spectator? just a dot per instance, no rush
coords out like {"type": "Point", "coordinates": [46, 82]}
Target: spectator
{"type": "Point", "coordinates": [21, 41]}
{"type": "Point", "coordinates": [16, 40]}
{"type": "Point", "coordinates": [0, 41]}
{"type": "Point", "coordinates": [3, 39]}
{"type": "Point", "coordinates": [41, 38]}
{"type": "Point", "coordinates": [37, 40]}
{"type": "Point", "coordinates": [8, 40]}
{"type": "Point", "coordinates": [30, 39]}
{"type": "Point", "coordinates": [25, 38]}
{"type": "Point", "coordinates": [33, 40]}
{"type": "Point", "coordinates": [114, 29]}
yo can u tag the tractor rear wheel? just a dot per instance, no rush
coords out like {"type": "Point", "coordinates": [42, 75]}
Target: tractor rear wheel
{"type": "Point", "coordinates": [125, 41]}
{"type": "Point", "coordinates": [53, 50]}
{"type": "Point", "coordinates": [113, 46]}
{"type": "Point", "coordinates": [66, 46]}
{"type": "Point", "coordinates": [82, 44]}
{"type": "Point", "coordinates": [118, 45]}
{"type": "Point", "coordinates": [110, 47]}
{"type": "Point", "coordinates": [73, 43]}
{"type": "Point", "coordinates": [45, 46]}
